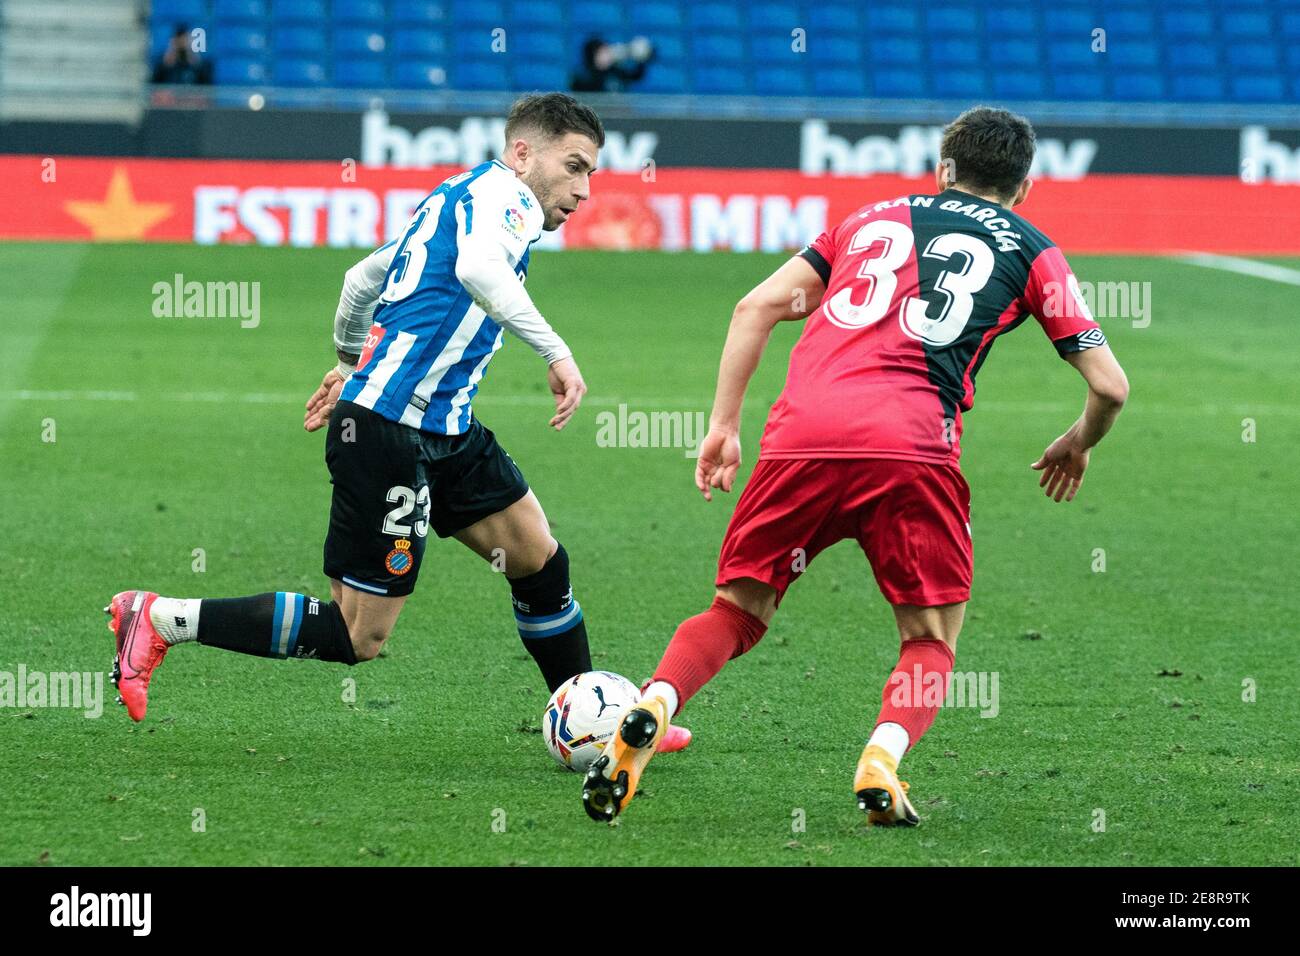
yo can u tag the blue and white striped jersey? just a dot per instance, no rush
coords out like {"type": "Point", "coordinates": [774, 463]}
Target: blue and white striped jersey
{"type": "Point", "coordinates": [431, 341]}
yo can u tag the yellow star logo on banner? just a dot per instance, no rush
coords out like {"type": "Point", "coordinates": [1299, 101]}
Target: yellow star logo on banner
{"type": "Point", "coordinates": [118, 216]}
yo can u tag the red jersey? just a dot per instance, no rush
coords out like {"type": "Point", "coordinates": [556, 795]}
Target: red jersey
{"type": "Point", "coordinates": [917, 289]}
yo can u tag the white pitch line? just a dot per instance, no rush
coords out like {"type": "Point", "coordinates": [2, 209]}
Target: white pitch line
{"type": "Point", "coordinates": [642, 404]}
{"type": "Point", "coordinates": [1245, 267]}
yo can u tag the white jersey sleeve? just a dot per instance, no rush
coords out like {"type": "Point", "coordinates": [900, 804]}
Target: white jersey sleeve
{"type": "Point", "coordinates": [493, 233]}
{"type": "Point", "coordinates": [361, 287]}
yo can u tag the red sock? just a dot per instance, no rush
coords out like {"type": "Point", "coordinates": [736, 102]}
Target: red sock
{"type": "Point", "coordinates": [704, 643]}
{"type": "Point", "coordinates": [917, 687]}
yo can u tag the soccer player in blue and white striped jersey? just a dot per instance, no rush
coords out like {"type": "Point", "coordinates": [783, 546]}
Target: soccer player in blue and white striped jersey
{"type": "Point", "coordinates": [417, 323]}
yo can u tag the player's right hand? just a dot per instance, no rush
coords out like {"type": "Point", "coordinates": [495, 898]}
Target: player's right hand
{"type": "Point", "coordinates": [322, 401]}
{"type": "Point", "coordinates": [568, 388]}
{"type": "Point", "coordinates": [718, 462]}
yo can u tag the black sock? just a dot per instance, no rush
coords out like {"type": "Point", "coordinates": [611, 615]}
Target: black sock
{"type": "Point", "coordinates": [279, 624]}
{"type": "Point", "coordinates": [550, 621]}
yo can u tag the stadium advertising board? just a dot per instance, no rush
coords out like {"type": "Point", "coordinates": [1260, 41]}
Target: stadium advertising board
{"type": "Point", "coordinates": [349, 205]}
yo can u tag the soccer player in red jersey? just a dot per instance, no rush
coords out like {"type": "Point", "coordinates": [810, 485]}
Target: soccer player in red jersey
{"type": "Point", "coordinates": [903, 300]}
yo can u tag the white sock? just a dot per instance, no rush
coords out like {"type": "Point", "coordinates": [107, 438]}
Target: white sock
{"type": "Point", "coordinates": [892, 738]}
{"type": "Point", "coordinates": [175, 619]}
{"type": "Point", "coordinates": [665, 690]}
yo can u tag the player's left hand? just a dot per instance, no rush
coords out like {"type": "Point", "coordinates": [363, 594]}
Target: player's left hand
{"type": "Point", "coordinates": [718, 462]}
{"type": "Point", "coordinates": [1062, 465]}
{"type": "Point", "coordinates": [321, 404]}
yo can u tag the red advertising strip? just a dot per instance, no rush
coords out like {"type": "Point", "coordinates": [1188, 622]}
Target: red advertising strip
{"type": "Point", "coordinates": [336, 204]}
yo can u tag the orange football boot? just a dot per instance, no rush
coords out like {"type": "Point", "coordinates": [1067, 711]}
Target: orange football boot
{"type": "Point", "coordinates": [611, 781]}
{"type": "Point", "coordinates": [880, 793]}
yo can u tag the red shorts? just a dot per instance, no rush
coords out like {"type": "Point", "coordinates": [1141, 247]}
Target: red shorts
{"type": "Point", "coordinates": [911, 518]}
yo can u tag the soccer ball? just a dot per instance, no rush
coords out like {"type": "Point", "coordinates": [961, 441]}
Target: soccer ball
{"type": "Point", "coordinates": [583, 714]}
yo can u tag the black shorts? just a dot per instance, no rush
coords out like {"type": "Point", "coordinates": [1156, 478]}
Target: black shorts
{"type": "Point", "coordinates": [392, 483]}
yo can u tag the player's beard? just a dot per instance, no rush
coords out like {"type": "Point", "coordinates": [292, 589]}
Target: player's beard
{"type": "Point", "coordinates": [550, 207]}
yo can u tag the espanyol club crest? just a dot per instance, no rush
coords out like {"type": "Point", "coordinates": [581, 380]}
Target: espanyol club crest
{"type": "Point", "coordinates": [399, 560]}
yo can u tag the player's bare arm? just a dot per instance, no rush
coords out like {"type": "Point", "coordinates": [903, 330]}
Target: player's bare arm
{"type": "Point", "coordinates": [1066, 459]}
{"type": "Point", "coordinates": [789, 294]}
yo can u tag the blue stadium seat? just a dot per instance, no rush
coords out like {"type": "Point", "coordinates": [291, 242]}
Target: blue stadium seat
{"type": "Point", "coordinates": [663, 78]}
{"type": "Point", "coordinates": [1020, 53]}
{"type": "Point", "coordinates": [1258, 89]}
{"type": "Point", "coordinates": [778, 50]}
{"type": "Point", "coordinates": [1132, 53]}
{"type": "Point", "coordinates": [1192, 55]}
{"type": "Point", "coordinates": [1291, 26]}
{"type": "Point", "coordinates": [836, 51]}
{"type": "Point", "coordinates": [780, 81]}
{"type": "Point", "coordinates": [714, 16]}
{"type": "Point", "coordinates": [839, 82]}
{"type": "Point", "coordinates": [600, 19]}
{"type": "Point", "coordinates": [491, 13]}
{"type": "Point", "coordinates": [1071, 22]}
{"type": "Point", "coordinates": [656, 16]}
{"type": "Point", "coordinates": [420, 44]}
{"type": "Point", "coordinates": [1074, 52]}
{"type": "Point", "coordinates": [1188, 22]}
{"type": "Point", "coordinates": [476, 41]}
{"type": "Point", "coordinates": [361, 42]}
{"type": "Point", "coordinates": [481, 75]}
{"type": "Point", "coordinates": [299, 11]}
{"type": "Point", "coordinates": [239, 71]}
{"type": "Point", "coordinates": [299, 71]}
{"type": "Point", "coordinates": [419, 74]}
{"type": "Point", "coordinates": [548, 14]}
{"type": "Point", "coordinates": [538, 45]}
{"type": "Point", "coordinates": [1134, 23]}
{"type": "Point", "coordinates": [239, 11]}
{"type": "Point", "coordinates": [172, 12]}
{"type": "Point", "coordinates": [900, 52]}
{"type": "Point", "coordinates": [710, 48]}
{"type": "Point", "coordinates": [893, 20]}
{"type": "Point", "coordinates": [823, 20]}
{"type": "Point", "coordinates": [960, 84]}
{"type": "Point", "coordinates": [776, 17]}
{"type": "Point", "coordinates": [908, 84]}
{"type": "Point", "coordinates": [1240, 24]}
{"type": "Point", "coordinates": [237, 41]}
{"type": "Point", "coordinates": [951, 21]}
{"type": "Point", "coordinates": [1018, 85]}
{"type": "Point", "coordinates": [366, 13]}
{"type": "Point", "coordinates": [1197, 87]}
{"type": "Point", "coordinates": [1010, 21]}
{"type": "Point", "coordinates": [1252, 56]}
{"type": "Point", "coordinates": [669, 47]}
{"type": "Point", "coordinates": [1293, 57]}
{"type": "Point", "coordinates": [718, 80]}
{"type": "Point", "coordinates": [954, 52]}
{"type": "Point", "coordinates": [1144, 87]}
{"type": "Point", "coordinates": [419, 13]}
{"type": "Point", "coordinates": [1076, 85]}
{"type": "Point", "coordinates": [371, 73]}
{"type": "Point", "coordinates": [538, 75]}
{"type": "Point", "coordinates": [299, 40]}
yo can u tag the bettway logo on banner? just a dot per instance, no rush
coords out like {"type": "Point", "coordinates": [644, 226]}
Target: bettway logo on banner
{"type": "Point", "coordinates": [915, 152]}
{"type": "Point", "coordinates": [309, 204]}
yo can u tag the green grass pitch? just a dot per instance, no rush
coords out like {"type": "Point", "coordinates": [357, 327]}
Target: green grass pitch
{"type": "Point", "coordinates": [1120, 692]}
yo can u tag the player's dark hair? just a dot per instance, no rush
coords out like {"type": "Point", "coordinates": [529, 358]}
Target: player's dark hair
{"type": "Point", "coordinates": [554, 114]}
{"type": "Point", "coordinates": [988, 149]}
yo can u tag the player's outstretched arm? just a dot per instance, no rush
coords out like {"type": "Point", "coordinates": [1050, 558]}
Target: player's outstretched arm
{"type": "Point", "coordinates": [1066, 459]}
{"type": "Point", "coordinates": [362, 285]}
{"type": "Point", "coordinates": [788, 294]}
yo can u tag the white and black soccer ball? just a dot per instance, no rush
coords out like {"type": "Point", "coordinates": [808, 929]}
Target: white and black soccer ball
{"type": "Point", "coordinates": [582, 716]}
